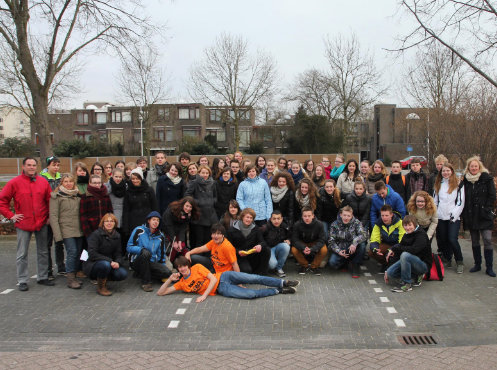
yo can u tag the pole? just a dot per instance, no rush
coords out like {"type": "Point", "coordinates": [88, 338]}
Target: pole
{"type": "Point", "coordinates": [141, 131]}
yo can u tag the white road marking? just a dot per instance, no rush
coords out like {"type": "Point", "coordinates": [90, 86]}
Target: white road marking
{"type": "Point", "coordinates": [363, 268]}
{"type": "Point", "coordinates": [180, 311]}
{"type": "Point", "coordinates": [378, 290]}
{"type": "Point", "coordinates": [372, 282]}
{"type": "Point", "coordinates": [7, 291]}
{"type": "Point", "coordinates": [173, 324]}
{"type": "Point", "coordinates": [34, 277]}
{"type": "Point", "coordinates": [384, 299]}
{"type": "Point", "coordinates": [391, 310]}
{"type": "Point", "coordinates": [367, 274]}
{"type": "Point", "coordinates": [187, 300]}
{"type": "Point", "coordinates": [400, 323]}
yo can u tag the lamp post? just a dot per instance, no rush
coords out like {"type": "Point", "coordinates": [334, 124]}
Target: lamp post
{"type": "Point", "coordinates": [141, 131]}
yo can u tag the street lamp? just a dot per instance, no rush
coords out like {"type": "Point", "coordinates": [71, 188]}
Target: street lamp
{"type": "Point", "coordinates": [141, 131]}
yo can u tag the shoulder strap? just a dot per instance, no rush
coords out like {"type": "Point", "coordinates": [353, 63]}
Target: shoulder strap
{"type": "Point", "coordinates": [403, 180]}
{"type": "Point", "coordinates": [388, 179]}
{"type": "Point", "coordinates": [436, 260]}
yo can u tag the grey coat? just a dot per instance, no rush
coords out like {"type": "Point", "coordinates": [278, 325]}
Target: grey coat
{"type": "Point", "coordinates": [64, 216]}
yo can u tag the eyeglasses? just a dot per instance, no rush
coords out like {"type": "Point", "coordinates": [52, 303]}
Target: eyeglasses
{"type": "Point", "coordinates": [108, 167]}
{"type": "Point", "coordinates": [420, 201]}
{"type": "Point", "coordinates": [97, 169]}
{"type": "Point", "coordinates": [338, 161]}
{"type": "Point", "coordinates": [326, 161]}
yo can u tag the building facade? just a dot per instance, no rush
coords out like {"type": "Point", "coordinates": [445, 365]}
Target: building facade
{"type": "Point", "coordinates": [13, 123]}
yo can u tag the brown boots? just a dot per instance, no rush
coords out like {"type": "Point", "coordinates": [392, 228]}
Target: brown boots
{"type": "Point", "coordinates": [71, 281]}
{"type": "Point", "coordinates": [102, 287]}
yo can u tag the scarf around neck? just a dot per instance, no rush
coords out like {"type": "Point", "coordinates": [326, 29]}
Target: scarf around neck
{"type": "Point", "coordinates": [175, 180]}
{"type": "Point", "coordinates": [375, 177]}
{"type": "Point", "coordinates": [472, 178]}
{"type": "Point", "coordinates": [160, 168]}
{"type": "Point", "coordinates": [303, 201]}
{"type": "Point", "coordinates": [245, 229]}
{"type": "Point", "coordinates": [99, 193]}
{"type": "Point", "coordinates": [278, 193]}
{"type": "Point", "coordinates": [71, 193]}
{"type": "Point", "coordinates": [117, 190]}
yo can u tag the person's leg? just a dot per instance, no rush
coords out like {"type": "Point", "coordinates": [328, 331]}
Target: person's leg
{"type": "Point", "coordinates": [336, 261]}
{"type": "Point", "coordinates": [42, 253]}
{"type": "Point", "coordinates": [358, 256]}
{"type": "Point", "coordinates": [488, 252]}
{"type": "Point", "coordinates": [411, 265]}
{"type": "Point", "coordinates": [316, 262]}
{"type": "Point", "coordinates": [118, 274]}
{"type": "Point", "coordinates": [272, 260]}
{"type": "Point", "coordinates": [159, 271]}
{"type": "Point", "coordinates": [453, 236]}
{"type": "Point", "coordinates": [394, 271]}
{"type": "Point", "coordinates": [280, 252]}
{"type": "Point", "coordinates": [100, 270]}
{"type": "Point", "coordinates": [141, 265]}
{"type": "Point", "coordinates": [299, 256]}
{"type": "Point", "coordinates": [49, 250]}
{"type": "Point", "coordinates": [230, 281]}
{"type": "Point", "coordinates": [203, 260]}
{"type": "Point", "coordinates": [244, 264]}
{"type": "Point", "coordinates": [443, 240]}
{"type": "Point", "coordinates": [59, 258]}
{"type": "Point", "coordinates": [475, 246]}
{"type": "Point", "coordinates": [326, 226]}
{"type": "Point", "coordinates": [23, 238]}
{"type": "Point", "coordinates": [72, 256]}
{"type": "Point", "coordinates": [260, 261]}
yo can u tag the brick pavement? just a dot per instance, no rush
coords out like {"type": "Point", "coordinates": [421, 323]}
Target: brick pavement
{"type": "Point", "coordinates": [342, 317]}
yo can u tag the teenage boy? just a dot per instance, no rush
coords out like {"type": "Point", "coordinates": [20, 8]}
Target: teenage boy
{"type": "Point", "coordinates": [385, 195]}
{"type": "Point", "coordinates": [347, 241]}
{"type": "Point", "coordinates": [52, 175]}
{"type": "Point", "coordinates": [143, 163]}
{"type": "Point", "coordinates": [439, 162]}
{"type": "Point", "coordinates": [309, 242]}
{"type": "Point", "coordinates": [184, 159]}
{"type": "Point", "coordinates": [387, 232]}
{"type": "Point", "coordinates": [277, 235]}
{"type": "Point", "coordinates": [158, 170]}
{"type": "Point", "coordinates": [414, 253]}
{"type": "Point", "coordinates": [235, 168]}
{"type": "Point", "coordinates": [198, 279]}
{"type": "Point", "coordinates": [397, 181]}
{"type": "Point", "coordinates": [222, 253]}
{"type": "Point", "coordinates": [416, 179]}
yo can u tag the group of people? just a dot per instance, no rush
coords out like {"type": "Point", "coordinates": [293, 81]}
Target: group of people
{"type": "Point", "coordinates": [233, 221]}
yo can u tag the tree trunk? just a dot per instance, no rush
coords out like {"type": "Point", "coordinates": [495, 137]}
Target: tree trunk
{"type": "Point", "coordinates": [40, 124]}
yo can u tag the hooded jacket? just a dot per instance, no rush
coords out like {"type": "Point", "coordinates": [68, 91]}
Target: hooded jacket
{"type": "Point", "coordinates": [342, 235]}
{"type": "Point", "coordinates": [155, 243]}
{"type": "Point", "coordinates": [275, 235]}
{"type": "Point", "coordinates": [390, 234]}
{"type": "Point", "coordinates": [417, 244]}
{"type": "Point", "coordinates": [64, 216]}
{"type": "Point", "coordinates": [254, 193]}
{"type": "Point", "coordinates": [449, 206]}
{"type": "Point", "coordinates": [393, 199]}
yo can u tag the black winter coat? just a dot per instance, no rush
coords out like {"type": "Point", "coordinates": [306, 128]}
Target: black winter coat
{"type": "Point", "coordinates": [173, 226]}
{"type": "Point", "coordinates": [138, 203]}
{"type": "Point", "coordinates": [204, 193]}
{"type": "Point", "coordinates": [304, 234]}
{"type": "Point", "coordinates": [396, 183]}
{"type": "Point", "coordinates": [286, 206]}
{"type": "Point", "coordinates": [225, 191]}
{"type": "Point", "coordinates": [167, 192]}
{"type": "Point", "coordinates": [275, 235]}
{"type": "Point", "coordinates": [241, 243]}
{"type": "Point", "coordinates": [103, 247]}
{"type": "Point", "coordinates": [326, 210]}
{"type": "Point", "coordinates": [361, 207]}
{"type": "Point", "coordinates": [416, 243]}
{"type": "Point", "coordinates": [479, 203]}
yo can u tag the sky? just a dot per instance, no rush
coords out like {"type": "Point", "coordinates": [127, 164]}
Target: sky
{"type": "Point", "coordinates": [291, 31]}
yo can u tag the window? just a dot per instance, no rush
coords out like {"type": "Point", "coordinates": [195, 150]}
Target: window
{"type": "Point", "coordinates": [52, 137]}
{"type": "Point", "coordinates": [169, 135]}
{"type": "Point", "coordinates": [115, 116]}
{"type": "Point", "coordinates": [82, 118]}
{"type": "Point", "coordinates": [215, 115]}
{"type": "Point", "coordinates": [137, 135]}
{"type": "Point", "coordinates": [267, 136]}
{"type": "Point", "coordinates": [244, 137]}
{"type": "Point", "coordinates": [244, 115]}
{"type": "Point", "coordinates": [82, 135]}
{"type": "Point", "coordinates": [101, 118]}
{"type": "Point", "coordinates": [188, 113]}
{"type": "Point", "coordinates": [126, 116]}
{"type": "Point", "coordinates": [1, 127]}
{"type": "Point", "coordinates": [191, 132]}
{"type": "Point", "coordinates": [163, 113]}
{"type": "Point", "coordinates": [219, 134]}
{"type": "Point", "coordinates": [159, 133]}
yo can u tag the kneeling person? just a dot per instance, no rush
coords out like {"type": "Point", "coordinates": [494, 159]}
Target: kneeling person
{"type": "Point", "coordinates": [277, 236]}
{"type": "Point", "coordinates": [198, 279]}
{"type": "Point", "coordinates": [309, 242]}
{"type": "Point", "coordinates": [347, 241]}
{"type": "Point", "coordinates": [415, 256]}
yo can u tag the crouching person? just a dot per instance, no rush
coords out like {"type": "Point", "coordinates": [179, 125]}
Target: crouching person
{"type": "Point", "coordinates": [146, 246]}
{"type": "Point", "coordinates": [198, 279]}
{"type": "Point", "coordinates": [104, 255]}
{"type": "Point", "coordinates": [415, 257]}
{"type": "Point", "coordinates": [309, 242]}
{"type": "Point", "coordinates": [347, 242]}
{"type": "Point", "coordinates": [277, 234]}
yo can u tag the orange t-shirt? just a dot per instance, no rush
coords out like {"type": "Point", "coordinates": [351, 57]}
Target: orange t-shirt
{"type": "Point", "coordinates": [197, 282]}
{"type": "Point", "coordinates": [222, 255]}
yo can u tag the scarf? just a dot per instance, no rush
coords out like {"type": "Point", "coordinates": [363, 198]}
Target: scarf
{"type": "Point", "coordinates": [335, 172]}
{"type": "Point", "coordinates": [375, 177]}
{"type": "Point", "coordinates": [160, 169]}
{"type": "Point", "coordinates": [245, 229]}
{"type": "Point", "coordinates": [99, 193]}
{"type": "Point", "coordinates": [65, 191]}
{"type": "Point", "coordinates": [137, 189]}
{"type": "Point", "coordinates": [472, 178]}
{"type": "Point", "coordinates": [175, 180]}
{"type": "Point", "coordinates": [117, 189]}
{"type": "Point", "coordinates": [84, 179]}
{"type": "Point", "coordinates": [303, 201]}
{"type": "Point", "coordinates": [278, 193]}
{"type": "Point", "coordinates": [297, 177]}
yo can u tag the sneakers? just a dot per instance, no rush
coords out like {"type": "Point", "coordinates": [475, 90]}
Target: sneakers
{"type": "Point", "coordinates": [419, 280]}
{"type": "Point", "coordinates": [23, 287]}
{"type": "Point", "coordinates": [302, 270]}
{"type": "Point", "coordinates": [316, 271]}
{"type": "Point", "coordinates": [356, 271]}
{"type": "Point", "coordinates": [403, 288]}
{"type": "Point", "coordinates": [292, 283]}
{"type": "Point", "coordinates": [460, 268]}
{"type": "Point", "coordinates": [46, 282]}
{"type": "Point", "coordinates": [50, 276]}
{"type": "Point", "coordinates": [280, 273]}
{"type": "Point", "coordinates": [288, 290]}
{"type": "Point", "coordinates": [147, 287]}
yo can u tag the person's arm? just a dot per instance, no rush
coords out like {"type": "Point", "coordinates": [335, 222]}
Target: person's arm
{"type": "Point", "coordinates": [268, 200]}
{"type": "Point", "coordinates": [240, 194]}
{"type": "Point", "coordinates": [490, 201]}
{"type": "Point", "coordinates": [402, 231]}
{"type": "Point", "coordinates": [320, 241]}
{"type": "Point", "coordinates": [433, 225]}
{"type": "Point", "coordinates": [235, 266]}
{"type": "Point", "coordinates": [332, 241]}
{"type": "Point", "coordinates": [5, 197]}
{"type": "Point", "coordinates": [166, 288]}
{"type": "Point", "coordinates": [374, 242]}
{"type": "Point", "coordinates": [296, 242]}
{"type": "Point", "coordinates": [198, 250]}
{"type": "Point", "coordinates": [83, 212]}
{"type": "Point", "coordinates": [360, 234]}
{"type": "Point", "coordinates": [212, 284]}
{"type": "Point", "coordinates": [373, 214]}
{"type": "Point", "coordinates": [54, 219]}
{"type": "Point", "coordinates": [133, 246]}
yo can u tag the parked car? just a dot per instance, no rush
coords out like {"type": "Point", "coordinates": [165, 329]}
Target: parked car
{"type": "Point", "coordinates": [406, 162]}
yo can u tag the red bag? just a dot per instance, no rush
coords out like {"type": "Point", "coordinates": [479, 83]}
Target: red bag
{"type": "Point", "coordinates": [437, 269]}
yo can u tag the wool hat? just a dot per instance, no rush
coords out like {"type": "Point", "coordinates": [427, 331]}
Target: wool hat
{"type": "Point", "coordinates": [154, 214]}
{"type": "Point", "coordinates": [52, 159]}
{"type": "Point", "coordinates": [137, 171]}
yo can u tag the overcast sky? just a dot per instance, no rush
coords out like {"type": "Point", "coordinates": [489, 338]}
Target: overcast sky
{"type": "Point", "coordinates": [292, 31]}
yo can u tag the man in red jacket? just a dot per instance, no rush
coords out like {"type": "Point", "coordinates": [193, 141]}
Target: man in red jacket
{"type": "Point", "coordinates": [31, 194]}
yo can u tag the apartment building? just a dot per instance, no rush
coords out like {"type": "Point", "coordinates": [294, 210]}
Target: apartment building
{"type": "Point", "coordinates": [13, 123]}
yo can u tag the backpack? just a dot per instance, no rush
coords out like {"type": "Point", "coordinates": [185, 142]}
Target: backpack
{"type": "Point", "coordinates": [436, 272]}
{"type": "Point", "coordinates": [403, 179]}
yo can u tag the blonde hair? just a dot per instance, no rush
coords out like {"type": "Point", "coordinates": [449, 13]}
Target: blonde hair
{"type": "Point", "coordinates": [475, 158]}
{"type": "Point", "coordinates": [69, 176]}
{"type": "Point", "coordinates": [203, 167]}
{"type": "Point", "coordinates": [381, 164]}
{"type": "Point", "coordinates": [441, 159]}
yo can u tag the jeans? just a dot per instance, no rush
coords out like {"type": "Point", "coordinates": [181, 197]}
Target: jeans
{"type": "Point", "coordinates": [326, 226]}
{"type": "Point", "coordinates": [336, 261]}
{"type": "Point", "coordinates": [148, 270]}
{"type": "Point", "coordinates": [409, 265]}
{"type": "Point", "coordinates": [229, 281]}
{"type": "Point", "coordinates": [279, 254]}
{"type": "Point", "coordinates": [103, 270]}
{"type": "Point", "coordinates": [23, 238]}
{"type": "Point", "coordinates": [485, 234]}
{"type": "Point", "coordinates": [73, 252]}
{"type": "Point", "coordinates": [59, 252]}
{"type": "Point", "coordinates": [448, 233]}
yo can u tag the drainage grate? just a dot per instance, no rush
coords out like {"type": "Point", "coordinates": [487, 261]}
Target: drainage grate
{"type": "Point", "coordinates": [417, 340]}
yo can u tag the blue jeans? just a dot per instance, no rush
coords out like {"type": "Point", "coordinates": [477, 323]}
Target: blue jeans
{"type": "Point", "coordinates": [103, 270]}
{"type": "Point", "coordinates": [279, 254]}
{"type": "Point", "coordinates": [336, 261]}
{"type": "Point", "coordinates": [73, 252]}
{"type": "Point", "coordinates": [448, 233]}
{"type": "Point", "coordinates": [228, 285]}
{"type": "Point", "coordinates": [409, 265]}
{"type": "Point", "coordinates": [326, 226]}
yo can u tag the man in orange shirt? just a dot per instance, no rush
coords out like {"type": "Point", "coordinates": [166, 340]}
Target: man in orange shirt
{"type": "Point", "coordinates": [223, 254]}
{"type": "Point", "coordinates": [198, 279]}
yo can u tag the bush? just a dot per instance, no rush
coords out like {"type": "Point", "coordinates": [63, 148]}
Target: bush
{"type": "Point", "coordinates": [196, 146]}
{"type": "Point", "coordinates": [17, 147]}
{"type": "Point", "coordinates": [80, 149]}
{"type": "Point", "coordinates": [256, 147]}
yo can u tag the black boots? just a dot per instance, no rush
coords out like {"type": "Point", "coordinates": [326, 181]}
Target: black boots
{"type": "Point", "coordinates": [477, 258]}
{"type": "Point", "coordinates": [489, 261]}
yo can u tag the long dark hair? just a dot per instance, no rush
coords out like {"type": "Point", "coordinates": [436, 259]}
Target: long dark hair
{"type": "Point", "coordinates": [178, 205]}
{"type": "Point", "coordinates": [225, 220]}
{"type": "Point", "coordinates": [356, 172]}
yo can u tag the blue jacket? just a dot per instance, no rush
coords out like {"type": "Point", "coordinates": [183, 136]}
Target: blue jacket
{"type": "Point", "coordinates": [393, 199]}
{"type": "Point", "coordinates": [263, 176]}
{"type": "Point", "coordinates": [254, 193]}
{"type": "Point", "coordinates": [142, 238]}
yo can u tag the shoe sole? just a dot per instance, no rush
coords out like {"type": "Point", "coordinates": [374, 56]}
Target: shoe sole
{"type": "Point", "coordinates": [296, 285]}
{"type": "Point", "coordinates": [400, 290]}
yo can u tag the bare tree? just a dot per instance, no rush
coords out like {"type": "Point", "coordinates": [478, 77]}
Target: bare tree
{"type": "Point", "coordinates": [69, 28]}
{"type": "Point", "coordinates": [467, 28]}
{"type": "Point", "coordinates": [142, 83]}
{"type": "Point", "coordinates": [229, 75]}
